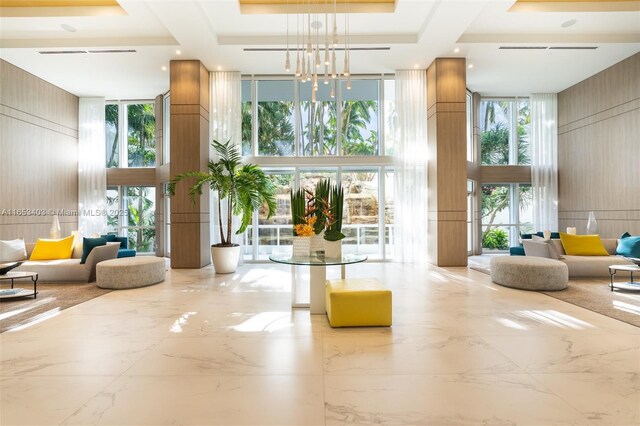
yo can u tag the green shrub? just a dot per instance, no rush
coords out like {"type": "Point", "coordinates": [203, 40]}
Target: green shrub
{"type": "Point", "coordinates": [495, 239]}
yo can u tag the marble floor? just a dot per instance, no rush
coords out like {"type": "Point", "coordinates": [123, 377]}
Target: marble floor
{"type": "Point", "coordinates": [228, 350]}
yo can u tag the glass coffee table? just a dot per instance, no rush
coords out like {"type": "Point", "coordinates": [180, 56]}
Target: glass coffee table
{"type": "Point", "coordinates": [14, 292]}
{"type": "Point", "coordinates": [629, 285]}
{"type": "Point", "coordinates": [318, 265]}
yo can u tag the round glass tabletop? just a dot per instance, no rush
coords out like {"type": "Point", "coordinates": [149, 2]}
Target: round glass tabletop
{"type": "Point", "coordinates": [317, 260]}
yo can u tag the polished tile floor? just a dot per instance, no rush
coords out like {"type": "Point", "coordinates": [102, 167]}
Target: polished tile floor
{"type": "Point", "coordinates": [228, 350]}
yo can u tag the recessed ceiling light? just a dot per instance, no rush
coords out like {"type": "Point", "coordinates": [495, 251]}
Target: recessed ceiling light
{"type": "Point", "coordinates": [178, 52]}
{"type": "Point", "coordinates": [68, 28]}
{"type": "Point", "coordinates": [416, 65]}
{"type": "Point", "coordinates": [568, 23]}
{"type": "Point", "coordinates": [470, 66]}
{"type": "Point", "coordinates": [219, 68]}
{"type": "Point", "coordinates": [456, 50]}
{"type": "Point", "coordinates": [164, 68]}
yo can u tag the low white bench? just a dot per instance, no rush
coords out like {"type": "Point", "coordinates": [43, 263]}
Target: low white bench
{"type": "Point", "coordinates": [529, 273]}
{"type": "Point", "coordinates": [130, 272]}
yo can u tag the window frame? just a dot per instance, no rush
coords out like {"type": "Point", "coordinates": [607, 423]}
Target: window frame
{"type": "Point", "coordinates": [121, 209]}
{"type": "Point", "coordinates": [514, 224]}
{"type": "Point", "coordinates": [123, 132]}
{"type": "Point", "coordinates": [512, 126]}
{"type": "Point", "coordinates": [300, 162]}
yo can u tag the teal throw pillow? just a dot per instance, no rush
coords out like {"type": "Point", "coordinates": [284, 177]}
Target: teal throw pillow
{"type": "Point", "coordinates": [124, 242]}
{"type": "Point", "coordinates": [88, 244]}
{"type": "Point", "coordinates": [112, 238]}
{"type": "Point", "coordinates": [629, 246]}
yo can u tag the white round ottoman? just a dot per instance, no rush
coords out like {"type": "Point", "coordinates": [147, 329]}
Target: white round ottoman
{"type": "Point", "coordinates": [529, 273]}
{"type": "Point", "coordinates": [130, 272]}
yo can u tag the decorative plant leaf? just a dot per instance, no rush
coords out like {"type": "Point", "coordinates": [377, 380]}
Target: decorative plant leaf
{"type": "Point", "coordinates": [332, 235]}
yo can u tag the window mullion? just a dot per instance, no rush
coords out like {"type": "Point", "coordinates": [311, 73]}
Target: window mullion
{"type": "Point", "coordinates": [513, 213]}
{"type": "Point", "coordinates": [513, 132]}
{"type": "Point", "coordinates": [381, 118]}
{"type": "Point", "coordinates": [297, 119]}
{"type": "Point", "coordinates": [254, 117]}
{"type": "Point", "coordinates": [122, 140]}
{"type": "Point", "coordinates": [338, 116]}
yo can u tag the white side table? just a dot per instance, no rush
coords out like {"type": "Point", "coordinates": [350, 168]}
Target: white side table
{"type": "Point", "coordinates": [629, 285]}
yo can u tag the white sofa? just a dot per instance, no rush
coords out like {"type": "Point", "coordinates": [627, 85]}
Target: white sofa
{"type": "Point", "coordinates": [592, 266]}
{"type": "Point", "coordinates": [67, 270]}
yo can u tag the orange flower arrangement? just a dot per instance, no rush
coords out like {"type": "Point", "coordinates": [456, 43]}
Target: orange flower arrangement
{"type": "Point", "coordinates": [305, 229]}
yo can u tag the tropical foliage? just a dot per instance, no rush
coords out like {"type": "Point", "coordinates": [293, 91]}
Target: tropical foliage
{"type": "Point", "coordinates": [318, 128]}
{"type": "Point", "coordinates": [495, 239]}
{"type": "Point", "coordinates": [141, 138]}
{"type": "Point", "coordinates": [245, 187]}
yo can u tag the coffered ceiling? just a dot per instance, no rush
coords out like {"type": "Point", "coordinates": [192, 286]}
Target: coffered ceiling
{"type": "Point", "coordinates": [512, 53]}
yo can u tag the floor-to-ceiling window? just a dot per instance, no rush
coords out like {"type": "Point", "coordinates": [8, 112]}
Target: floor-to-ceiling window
{"type": "Point", "coordinates": [504, 141]}
{"type": "Point", "coordinates": [341, 137]}
{"type": "Point", "coordinates": [130, 136]}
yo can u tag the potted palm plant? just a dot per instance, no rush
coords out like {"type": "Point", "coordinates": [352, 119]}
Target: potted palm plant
{"type": "Point", "coordinates": [244, 186]}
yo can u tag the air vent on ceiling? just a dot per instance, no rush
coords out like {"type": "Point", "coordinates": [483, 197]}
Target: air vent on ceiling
{"type": "Point", "coordinates": [113, 51]}
{"type": "Point", "coordinates": [282, 49]}
{"type": "Point", "coordinates": [62, 52]}
{"type": "Point", "coordinates": [73, 52]}
{"type": "Point", "coordinates": [548, 47]}
{"type": "Point", "coordinates": [574, 47]}
{"type": "Point", "coordinates": [523, 47]}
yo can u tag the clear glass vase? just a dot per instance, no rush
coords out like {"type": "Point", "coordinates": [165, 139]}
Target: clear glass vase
{"type": "Point", "coordinates": [592, 224]}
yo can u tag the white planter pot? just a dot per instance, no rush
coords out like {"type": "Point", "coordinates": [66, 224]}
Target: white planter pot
{"type": "Point", "coordinates": [316, 246]}
{"type": "Point", "coordinates": [225, 259]}
{"type": "Point", "coordinates": [301, 247]}
{"type": "Point", "coordinates": [332, 250]}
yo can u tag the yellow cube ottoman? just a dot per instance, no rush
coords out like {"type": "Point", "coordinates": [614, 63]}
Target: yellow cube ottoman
{"type": "Point", "coordinates": [358, 302]}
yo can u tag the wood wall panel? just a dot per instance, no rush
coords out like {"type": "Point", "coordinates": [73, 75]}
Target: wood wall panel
{"type": "Point", "coordinates": [505, 174]}
{"type": "Point", "coordinates": [145, 176]}
{"type": "Point", "coordinates": [38, 155]}
{"type": "Point", "coordinates": [447, 175]}
{"type": "Point", "coordinates": [598, 150]}
{"type": "Point", "coordinates": [189, 135]}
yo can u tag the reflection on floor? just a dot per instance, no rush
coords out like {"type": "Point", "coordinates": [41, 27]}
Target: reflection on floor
{"type": "Point", "coordinates": [228, 350]}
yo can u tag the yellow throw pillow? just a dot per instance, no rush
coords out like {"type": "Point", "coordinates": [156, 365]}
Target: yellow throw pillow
{"type": "Point", "coordinates": [52, 249]}
{"type": "Point", "coordinates": [583, 245]}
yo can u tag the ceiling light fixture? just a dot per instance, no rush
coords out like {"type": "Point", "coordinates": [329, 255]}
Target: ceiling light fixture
{"type": "Point", "coordinates": [456, 50]}
{"type": "Point", "coordinates": [178, 52]}
{"type": "Point", "coordinates": [309, 43]}
{"type": "Point", "coordinates": [164, 68]}
{"type": "Point", "coordinates": [470, 66]}
{"type": "Point", "coordinates": [68, 28]}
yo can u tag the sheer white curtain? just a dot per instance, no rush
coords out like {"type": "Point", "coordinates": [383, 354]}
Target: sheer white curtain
{"type": "Point", "coordinates": [225, 119]}
{"type": "Point", "coordinates": [544, 160]}
{"type": "Point", "coordinates": [411, 167]}
{"type": "Point", "coordinates": [92, 174]}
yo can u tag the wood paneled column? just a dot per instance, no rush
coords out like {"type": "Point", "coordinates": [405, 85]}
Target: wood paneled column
{"type": "Point", "coordinates": [447, 186]}
{"type": "Point", "coordinates": [189, 136]}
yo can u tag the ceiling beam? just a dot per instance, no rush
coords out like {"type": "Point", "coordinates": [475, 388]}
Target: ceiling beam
{"type": "Point", "coordinates": [575, 6]}
{"type": "Point", "coordinates": [549, 38]}
{"type": "Point", "coordinates": [316, 6]}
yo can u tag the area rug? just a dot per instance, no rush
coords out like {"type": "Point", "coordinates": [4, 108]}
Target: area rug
{"type": "Point", "coordinates": [595, 295]}
{"type": "Point", "coordinates": [51, 299]}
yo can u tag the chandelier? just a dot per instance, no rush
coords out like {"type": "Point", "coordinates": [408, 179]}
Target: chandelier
{"type": "Point", "coordinates": [310, 41]}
